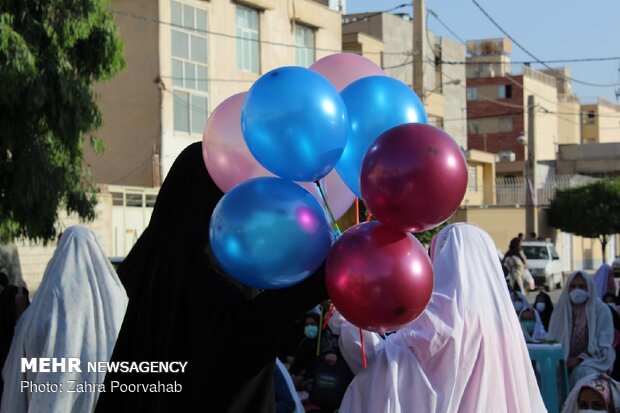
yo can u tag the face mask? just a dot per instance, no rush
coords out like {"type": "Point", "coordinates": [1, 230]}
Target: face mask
{"type": "Point", "coordinates": [528, 325]}
{"type": "Point", "coordinates": [540, 306]}
{"type": "Point", "coordinates": [311, 331]}
{"type": "Point", "coordinates": [518, 306]}
{"type": "Point", "coordinates": [578, 296]}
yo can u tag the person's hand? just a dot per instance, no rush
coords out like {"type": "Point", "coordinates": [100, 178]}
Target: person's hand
{"type": "Point", "coordinates": [571, 363]}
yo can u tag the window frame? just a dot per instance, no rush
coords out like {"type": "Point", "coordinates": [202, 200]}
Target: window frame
{"type": "Point", "coordinates": [302, 51]}
{"type": "Point", "coordinates": [243, 41]}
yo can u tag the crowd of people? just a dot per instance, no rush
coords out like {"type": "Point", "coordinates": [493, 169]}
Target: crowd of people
{"type": "Point", "coordinates": [289, 350]}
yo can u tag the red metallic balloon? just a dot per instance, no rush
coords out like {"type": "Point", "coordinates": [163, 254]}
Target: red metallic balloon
{"type": "Point", "coordinates": [414, 177]}
{"type": "Point", "coordinates": [378, 278]}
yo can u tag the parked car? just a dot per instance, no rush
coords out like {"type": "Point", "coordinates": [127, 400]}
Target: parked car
{"type": "Point", "coordinates": [544, 263]}
{"type": "Point", "coordinates": [616, 266]}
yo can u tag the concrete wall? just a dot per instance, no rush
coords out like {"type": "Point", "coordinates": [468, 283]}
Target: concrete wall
{"type": "Point", "coordinates": [569, 122]}
{"type": "Point", "coordinates": [130, 102]}
{"type": "Point", "coordinates": [546, 124]}
{"type": "Point", "coordinates": [604, 127]}
{"type": "Point", "coordinates": [455, 108]}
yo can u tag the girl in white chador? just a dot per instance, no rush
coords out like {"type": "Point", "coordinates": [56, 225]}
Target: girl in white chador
{"type": "Point", "coordinates": [582, 323]}
{"type": "Point", "coordinates": [77, 312]}
{"type": "Point", "coordinates": [465, 353]}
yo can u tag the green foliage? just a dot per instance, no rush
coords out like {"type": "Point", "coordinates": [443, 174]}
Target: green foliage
{"type": "Point", "coordinates": [427, 236]}
{"type": "Point", "coordinates": [590, 210]}
{"type": "Point", "coordinates": [51, 53]}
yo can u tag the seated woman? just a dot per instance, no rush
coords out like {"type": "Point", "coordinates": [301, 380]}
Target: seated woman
{"type": "Point", "coordinates": [465, 353]}
{"type": "Point", "coordinates": [533, 329]}
{"type": "Point", "coordinates": [582, 323]}
{"type": "Point", "coordinates": [76, 312]}
{"type": "Point", "coordinates": [594, 393]}
{"type": "Point", "coordinates": [544, 306]}
{"type": "Point", "coordinates": [604, 280]}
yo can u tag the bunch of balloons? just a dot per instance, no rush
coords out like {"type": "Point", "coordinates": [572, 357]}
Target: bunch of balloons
{"type": "Point", "coordinates": [304, 141]}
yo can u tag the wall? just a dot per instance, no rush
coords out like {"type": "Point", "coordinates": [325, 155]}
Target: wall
{"type": "Point", "coordinates": [130, 102]}
{"type": "Point", "coordinates": [276, 25]}
{"type": "Point", "coordinates": [569, 122]}
{"type": "Point", "coordinates": [455, 108]}
{"type": "Point", "coordinates": [546, 123]}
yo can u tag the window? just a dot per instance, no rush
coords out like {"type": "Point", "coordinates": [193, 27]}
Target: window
{"type": "Point", "coordinates": [589, 117]}
{"type": "Point", "coordinates": [304, 40]}
{"type": "Point", "coordinates": [247, 39]}
{"type": "Point", "coordinates": [472, 178]}
{"type": "Point", "coordinates": [189, 68]}
{"type": "Point", "coordinates": [536, 252]}
{"type": "Point", "coordinates": [473, 127]}
{"type": "Point", "coordinates": [504, 91]}
{"type": "Point", "coordinates": [472, 93]}
{"type": "Point", "coordinates": [505, 124]}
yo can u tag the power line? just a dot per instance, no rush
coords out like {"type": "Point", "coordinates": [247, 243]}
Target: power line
{"type": "Point", "coordinates": [232, 36]}
{"type": "Point", "coordinates": [369, 16]}
{"type": "Point", "coordinates": [526, 62]}
{"type": "Point", "coordinates": [534, 57]}
{"type": "Point", "coordinates": [436, 16]}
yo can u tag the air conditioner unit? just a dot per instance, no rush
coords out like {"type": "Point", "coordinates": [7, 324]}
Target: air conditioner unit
{"type": "Point", "coordinates": [506, 156]}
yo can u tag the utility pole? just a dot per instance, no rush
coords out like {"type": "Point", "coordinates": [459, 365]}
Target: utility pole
{"type": "Point", "coordinates": [419, 46]}
{"type": "Point", "coordinates": [531, 209]}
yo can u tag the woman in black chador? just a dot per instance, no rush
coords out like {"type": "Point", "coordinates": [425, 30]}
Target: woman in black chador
{"type": "Point", "coordinates": [182, 307]}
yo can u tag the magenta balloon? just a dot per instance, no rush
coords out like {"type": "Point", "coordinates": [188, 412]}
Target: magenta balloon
{"type": "Point", "coordinates": [378, 278]}
{"type": "Point", "coordinates": [224, 150]}
{"type": "Point", "coordinates": [413, 177]}
{"type": "Point", "coordinates": [338, 195]}
{"type": "Point", "coordinates": [342, 69]}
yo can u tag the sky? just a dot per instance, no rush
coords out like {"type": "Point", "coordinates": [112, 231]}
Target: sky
{"type": "Point", "coordinates": [549, 29]}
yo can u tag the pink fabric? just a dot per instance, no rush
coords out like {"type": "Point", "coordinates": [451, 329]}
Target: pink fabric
{"type": "Point", "coordinates": [466, 352]}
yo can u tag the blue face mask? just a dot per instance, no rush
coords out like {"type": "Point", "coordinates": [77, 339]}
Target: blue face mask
{"type": "Point", "coordinates": [540, 306]}
{"type": "Point", "coordinates": [311, 331]}
{"type": "Point", "coordinates": [528, 325]}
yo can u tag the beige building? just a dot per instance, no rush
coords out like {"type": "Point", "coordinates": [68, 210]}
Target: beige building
{"type": "Point", "coordinates": [388, 40]}
{"type": "Point", "coordinates": [600, 122]}
{"type": "Point", "coordinates": [184, 57]}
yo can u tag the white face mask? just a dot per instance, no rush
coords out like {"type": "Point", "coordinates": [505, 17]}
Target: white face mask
{"type": "Point", "coordinates": [518, 306]}
{"type": "Point", "coordinates": [578, 296]}
{"type": "Point", "coordinates": [540, 306]}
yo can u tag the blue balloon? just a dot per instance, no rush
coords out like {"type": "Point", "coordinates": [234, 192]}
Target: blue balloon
{"type": "Point", "coordinates": [269, 233]}
{"type": "Point", "coordinates": [295, 123]}
{"type": "Point", "coordinates": [374, 105]}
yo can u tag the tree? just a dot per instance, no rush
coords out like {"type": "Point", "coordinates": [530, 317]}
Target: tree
{"type": "Point", "coordinates": [591, 211]}
{"type": "Point", "coordinates": [51, 54]}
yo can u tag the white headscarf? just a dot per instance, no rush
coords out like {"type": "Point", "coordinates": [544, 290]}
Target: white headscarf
{"type": "Point", "coordinates": [76, 312]}
{"type": "Point", "coordinates": [539, 331]}
{"type": "Point", "coordinates": [465, 353]}
{"type": "Point", "coordinates": [601, 279]}
{"type": "Point", "coordinates": [299, 407]}
{"type": "Point", "coordinates": [600, 355]}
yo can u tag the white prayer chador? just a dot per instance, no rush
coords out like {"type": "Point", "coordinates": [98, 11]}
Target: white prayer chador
{"type": "Point", "coordinates": [600, 355]}
{"type": "Point", "coordinates": [76, 312]}
{"type": "Point", "coordinates": [299, 407]}
{"type": "Point", "coordinates": [465, 353]}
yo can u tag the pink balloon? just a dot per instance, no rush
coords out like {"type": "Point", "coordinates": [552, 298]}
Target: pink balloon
{"type": "Point", "coordinates": [342, 69]}
{"type": "Point", "coordinates": [230, 162]}
{"type": "Point", "coordinates": [378, 278]}
{"type": "Point", "coordinates": [338, 195]}
{"type": "Point", "coordinates": [224, 150]}
{"type": "Point", "coordinates": [413, 177]}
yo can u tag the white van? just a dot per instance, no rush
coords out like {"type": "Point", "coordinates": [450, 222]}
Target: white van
{"type": "Point", "coordinates": [544, 263]}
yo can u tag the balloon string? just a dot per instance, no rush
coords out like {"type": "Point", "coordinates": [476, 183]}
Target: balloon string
{"type": "Point", "coordinates": [318, 344]}
{"type": "Point", "coordinates": [368, 216]}
{"type": "Point", "coordinates": [357, 211]}
{"type": "Point", "coordinates": [328, 317]}
{"type": "Point", "coordinates": [331, 215]}
{"type": "Point", "coordinates": [363, 348]}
